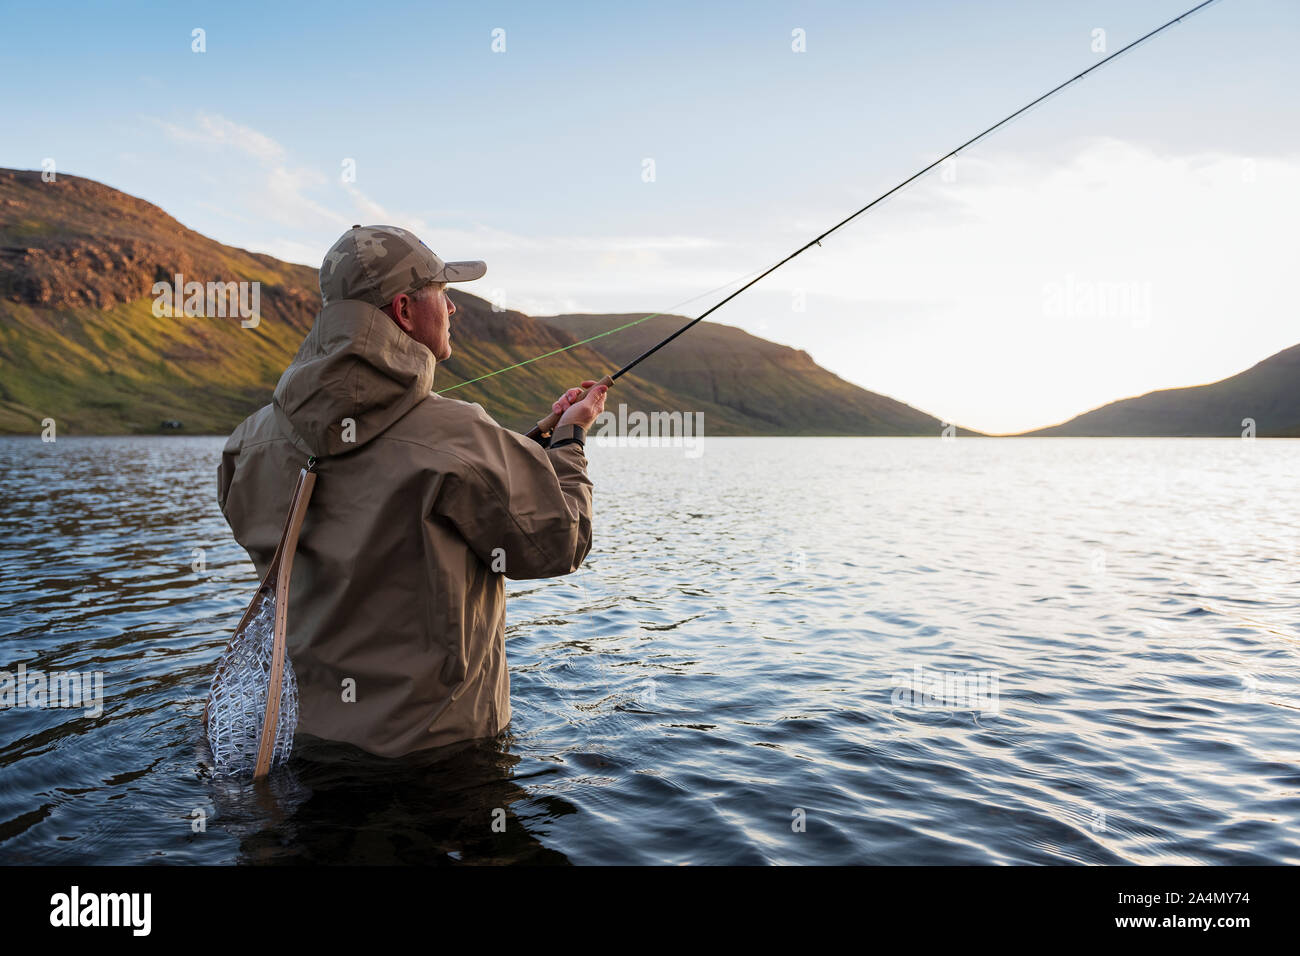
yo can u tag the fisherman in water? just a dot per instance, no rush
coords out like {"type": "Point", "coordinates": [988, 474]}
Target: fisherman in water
{"type": "Point", "coordinates": [423, 505]}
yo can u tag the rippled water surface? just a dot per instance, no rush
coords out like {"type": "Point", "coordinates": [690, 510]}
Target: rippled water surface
{"type": "Point", "coordinates": [733, 661]}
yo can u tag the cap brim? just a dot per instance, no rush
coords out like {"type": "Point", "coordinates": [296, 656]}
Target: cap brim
{"type": "Point", "coordinates": [466, 271]}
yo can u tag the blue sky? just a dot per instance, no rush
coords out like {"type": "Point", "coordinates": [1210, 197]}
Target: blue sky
{"type": "Point", "coordinates": [1136, 232]}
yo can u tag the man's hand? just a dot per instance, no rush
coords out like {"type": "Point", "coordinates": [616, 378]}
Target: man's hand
{"type": "Point", "coordinates": [583, 413]}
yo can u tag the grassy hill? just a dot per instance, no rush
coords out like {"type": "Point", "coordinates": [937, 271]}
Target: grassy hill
{"type": "Point", "coordinates": [79, 342]}
{"type": "Point", "coordinates": [78, 339]}
{"type": "Point", "coordinates": [768, 388]}
{"type": "Point", "coordinates": [1268, 393]}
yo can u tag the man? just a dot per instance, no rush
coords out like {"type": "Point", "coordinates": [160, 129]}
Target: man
{"type": "Point", "coordinates": [422, 506]}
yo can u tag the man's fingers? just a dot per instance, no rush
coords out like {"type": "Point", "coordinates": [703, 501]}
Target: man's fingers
{"type": "Point", "coordinates": [586, 412]}
{"type": "Point", "coordinates": [571, 396]}
{"type": "Point", "coordinates": [595, 400]}
{"type": "Point", "coordinates": [565, 400]}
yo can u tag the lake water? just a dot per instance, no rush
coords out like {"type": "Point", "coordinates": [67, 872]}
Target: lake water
{"type": "Point", "coordinates": [1102, 634]}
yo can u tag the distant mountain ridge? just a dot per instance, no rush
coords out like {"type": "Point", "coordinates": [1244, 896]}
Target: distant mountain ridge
{"type": "Point", "coordinates": [1266, 395]}
{"type": "Point", "coordinates": [79, 342]}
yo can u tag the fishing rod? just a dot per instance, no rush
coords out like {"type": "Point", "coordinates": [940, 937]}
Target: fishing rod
{"type": "Point", "coordinates": [546, 425]}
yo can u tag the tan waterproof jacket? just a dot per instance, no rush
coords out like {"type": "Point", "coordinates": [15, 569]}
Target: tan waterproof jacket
{"type": "Point", "coordinates": [423, 505]}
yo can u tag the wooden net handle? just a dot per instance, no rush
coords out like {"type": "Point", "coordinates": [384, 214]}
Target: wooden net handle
{"type": "Point", "coordinates": [284, 558]}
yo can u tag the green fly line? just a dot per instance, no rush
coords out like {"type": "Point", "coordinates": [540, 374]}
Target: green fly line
{"type": "Point", "coordinates": [599, 335]}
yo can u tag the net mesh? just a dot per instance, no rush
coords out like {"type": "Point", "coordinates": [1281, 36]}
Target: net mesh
{"type": "Point", "coordinates": [237, 701]}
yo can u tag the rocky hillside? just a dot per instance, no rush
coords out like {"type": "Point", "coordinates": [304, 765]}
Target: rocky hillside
{"type": "Point", "coordinates": [79, 341]}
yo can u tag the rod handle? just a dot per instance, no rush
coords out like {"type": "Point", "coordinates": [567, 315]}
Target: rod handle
{"type": "Point", "coordinates": [547, 424]}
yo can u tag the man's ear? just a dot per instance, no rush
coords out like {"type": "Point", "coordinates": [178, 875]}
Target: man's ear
{"type": "Point", "coordinates": [399, 310]}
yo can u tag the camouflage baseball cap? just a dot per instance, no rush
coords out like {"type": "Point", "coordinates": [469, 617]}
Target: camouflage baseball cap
{"type": "Point", "coordinates": [377, 263]}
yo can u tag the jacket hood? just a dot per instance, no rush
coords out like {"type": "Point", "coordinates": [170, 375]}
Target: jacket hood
{"type": "Point", "coordinates": [354, 364]}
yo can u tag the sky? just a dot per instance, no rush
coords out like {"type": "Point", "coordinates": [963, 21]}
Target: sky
{"type": "Point", "coordinates": [1135, 232]}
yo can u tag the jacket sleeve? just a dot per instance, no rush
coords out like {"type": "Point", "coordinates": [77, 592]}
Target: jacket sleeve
{"type": "Point", "coordinates": [524, 510]}
{"type": "Point", "coordinates": [226, 470]}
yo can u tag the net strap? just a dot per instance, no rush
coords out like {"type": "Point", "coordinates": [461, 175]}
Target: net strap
{"type": "Point", "coordinates": [281, 567]}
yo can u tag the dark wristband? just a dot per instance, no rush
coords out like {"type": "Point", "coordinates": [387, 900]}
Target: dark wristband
{"type": "Point", "coordinates": [568, 435]}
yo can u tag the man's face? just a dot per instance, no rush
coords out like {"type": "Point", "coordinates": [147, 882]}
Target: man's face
{"type": "Point", "coordinates": [426, 317]}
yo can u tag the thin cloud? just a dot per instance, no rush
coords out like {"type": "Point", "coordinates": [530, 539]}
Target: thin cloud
{"type": "Point", "coordinates": [560, 272]}
{"type": "Point", "coordinates": [212, 130]}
